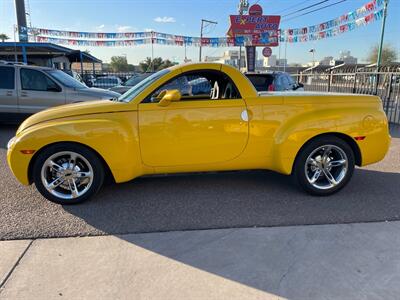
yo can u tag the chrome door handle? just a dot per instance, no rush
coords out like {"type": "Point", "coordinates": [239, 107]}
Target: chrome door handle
{"type": "Point", "coordinates": [9, 93]}
{"type": "Point", "coordinates": [24, 94]}
{"type": "Point", "coordinates": [245, 115]}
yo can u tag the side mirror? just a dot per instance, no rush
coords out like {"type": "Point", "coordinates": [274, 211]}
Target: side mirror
{"type": "Point", "coordinates": [168, 96]}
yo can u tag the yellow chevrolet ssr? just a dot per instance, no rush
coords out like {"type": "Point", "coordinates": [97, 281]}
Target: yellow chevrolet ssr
{"type": "Point", "coordinates": [195, 118]}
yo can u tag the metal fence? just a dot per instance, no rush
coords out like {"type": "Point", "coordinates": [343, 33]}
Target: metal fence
{"type": "Point", "coordinates": [385, 83]}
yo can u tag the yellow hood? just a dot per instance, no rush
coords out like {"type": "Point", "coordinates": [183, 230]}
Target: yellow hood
{"type": "Point", "coordinates": [76, 109]}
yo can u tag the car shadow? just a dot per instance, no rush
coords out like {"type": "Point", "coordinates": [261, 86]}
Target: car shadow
{"type": "Point", "coordinates": [235, 200]}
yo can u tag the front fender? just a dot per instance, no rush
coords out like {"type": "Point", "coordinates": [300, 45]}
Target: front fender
{"type": "Point", "coordinates": [113, 136]}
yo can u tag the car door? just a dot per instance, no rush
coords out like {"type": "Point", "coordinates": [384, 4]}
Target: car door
{"type": "Point", "coordinates": [37, 91]}
{"type": "Point", "coordinates": [196, 130]}
{"type": "Point", "coordinates": [8, 91]}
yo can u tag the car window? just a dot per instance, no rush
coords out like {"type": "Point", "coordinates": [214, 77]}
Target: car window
{"type": "Point", "coordinates": [7, 78]}
{"type": "Point", "coordinates": [285, 82]}
{"type": "Point", "coordinates": [65, 79]}
{"type": "Point", "coordinates": [136, 79]}
{"type": "Point", "coordinates": [141, 86]}
{"type": "Point", "coordinates": [37, 81]}
{"type": "Point", "coordinates": [261, 81]}
{"type": "Point", "coordinates": [290, 79]}
{"type": "Point", "coordinates": [201, 85]}
{"type": "Point", "coordinates": [107, 80]}
{"type": "Point", "coordinates": [279, 83]}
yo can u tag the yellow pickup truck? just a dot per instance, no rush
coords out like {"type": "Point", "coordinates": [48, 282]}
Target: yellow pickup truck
{"type": "Point", "coordinates": [196, 118]}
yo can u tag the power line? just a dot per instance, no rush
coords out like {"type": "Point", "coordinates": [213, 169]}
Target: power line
{"type": "Point", "coordinates": [318, 9]}
{"type": "Point", "coordinates": [305, 8]}
{"type": "Point", "coordinates": [290, 7]}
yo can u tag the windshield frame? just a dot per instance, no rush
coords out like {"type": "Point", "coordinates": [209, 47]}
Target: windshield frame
{"type": "Point", "coordinates": [60, 79]}
{"type": "Point", "coordinates": [134, 91]}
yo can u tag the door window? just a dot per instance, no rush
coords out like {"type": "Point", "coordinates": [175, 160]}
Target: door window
{"type": "Point", "coordinates": [37, 81]}
{"type": "Point", "coordinates": [7, 81]}
{"type": "Point", "coordinates": [199, 85]}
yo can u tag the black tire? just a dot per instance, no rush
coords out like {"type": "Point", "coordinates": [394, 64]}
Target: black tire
{"type": "Point", "coordinates": [299, 169]}
{"type": "Point", "coordinates": [91, 157]}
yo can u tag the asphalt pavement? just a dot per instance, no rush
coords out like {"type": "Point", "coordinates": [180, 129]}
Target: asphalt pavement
{"type": "Point", "coordinates": [199, 201]}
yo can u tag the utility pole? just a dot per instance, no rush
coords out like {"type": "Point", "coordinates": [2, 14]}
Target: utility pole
{"type": "Point", "coordinates": [243, 7]}
{"type": "Point", "coordinates": [379, 61]}
{"type": "Point", "coordinates": [208, 22]}
{"type": "Point", "coordinates": [21, 20]}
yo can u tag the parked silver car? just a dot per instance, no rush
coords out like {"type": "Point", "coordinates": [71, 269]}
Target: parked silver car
{"type": "Point", "coordinates": [25, 90]}
{"type": "Point", "coordinates": [107, 82]}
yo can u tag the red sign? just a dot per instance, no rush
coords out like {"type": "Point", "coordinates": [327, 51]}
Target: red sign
{"type": "Point", "coordinates": [255, 10]}
{"type": "Point", "coordinates": [267, 52]}
{"type": "Point", "coordinates": [259, 30]}
{"type": "Point", "coordinates": [246, 24]}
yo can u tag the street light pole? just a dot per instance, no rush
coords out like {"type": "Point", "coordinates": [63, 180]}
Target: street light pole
{"type": "Point", "coordinates": [201, 33]}
{"type": "Point", "coordinates": [379, 60]}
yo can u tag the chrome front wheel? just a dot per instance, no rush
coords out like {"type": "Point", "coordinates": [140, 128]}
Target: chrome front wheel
{"type": "Point", "coordinates": [68, 173]}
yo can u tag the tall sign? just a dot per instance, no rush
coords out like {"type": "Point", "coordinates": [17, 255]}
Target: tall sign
{"type": "Point", "coordinates": [252, 30]}
{"type": "Point", "coordinates": [21, 20]}
{"type": "Point", "coordinates": [255, 29]}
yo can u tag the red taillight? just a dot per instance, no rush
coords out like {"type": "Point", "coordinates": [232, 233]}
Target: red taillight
{"type": "Point", "coordinates": [271, 88]}
{"type": "Point", "coordinates": [359, 138]}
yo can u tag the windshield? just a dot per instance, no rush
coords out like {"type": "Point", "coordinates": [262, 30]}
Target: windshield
{"type": "Point", "coordinates": [141, 86]}
{"type": "Point", "coordinates": [65, 79]}
{"type": "Point", "coordinates": [134, 80]}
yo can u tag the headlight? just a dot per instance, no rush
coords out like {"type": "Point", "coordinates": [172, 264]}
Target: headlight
{"type": "Point", "coordinates": [11, 142]}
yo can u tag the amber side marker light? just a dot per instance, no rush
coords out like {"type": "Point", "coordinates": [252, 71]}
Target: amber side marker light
{"type": "Point", "coordinates": [28, 151]}
{"type": "Point", "coordinates": [359, 138]}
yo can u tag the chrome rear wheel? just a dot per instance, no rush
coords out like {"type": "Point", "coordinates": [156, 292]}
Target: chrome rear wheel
{"type": "Point", "coordinates": [326, 167]}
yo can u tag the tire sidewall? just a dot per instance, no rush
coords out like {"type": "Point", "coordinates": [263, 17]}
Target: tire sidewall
{"type": "Point", "coordinates": [299, 166]}
{"type": "Point", "coordinates": [97, 166]}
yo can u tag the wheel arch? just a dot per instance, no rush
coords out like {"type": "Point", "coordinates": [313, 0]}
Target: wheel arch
{"type": "Point", "coordinates": [109, 177]}
{"type": "Point", "coordinates": [347, 139]}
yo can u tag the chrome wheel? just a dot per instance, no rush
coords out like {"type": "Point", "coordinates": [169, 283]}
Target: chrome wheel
{"type": "Point", "coordinates": [67, 175]}
{"type": "Point", "coordinates": [326, 167]}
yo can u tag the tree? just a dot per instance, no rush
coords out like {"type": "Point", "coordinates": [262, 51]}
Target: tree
{"type": "Point", "coordinates": [4, 37]}
{"type": "Point", "coordinates": [119, 64]}
{"type": "Point", "coordinates": [389, 55]}
{"type": "Point", "coordinates": [157, 64]}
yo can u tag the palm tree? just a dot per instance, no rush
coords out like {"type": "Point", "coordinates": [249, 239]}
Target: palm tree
{"type": "Point", "coordinates": [4, 37]}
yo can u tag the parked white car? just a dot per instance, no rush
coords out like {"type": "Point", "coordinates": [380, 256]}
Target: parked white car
{"type": "Point", "coordinates": [25, 90]}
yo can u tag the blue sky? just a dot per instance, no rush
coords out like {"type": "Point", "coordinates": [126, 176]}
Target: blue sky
{"type": "Point", "coordinates": [183, 17]}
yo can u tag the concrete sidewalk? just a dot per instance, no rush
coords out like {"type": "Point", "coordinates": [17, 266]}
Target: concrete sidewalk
{"type": "Point", "coordinates": [355, 261]}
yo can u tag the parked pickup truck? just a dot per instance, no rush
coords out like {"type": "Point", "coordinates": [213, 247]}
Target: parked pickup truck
{"type": "Point", "coordinates": [67, 152]}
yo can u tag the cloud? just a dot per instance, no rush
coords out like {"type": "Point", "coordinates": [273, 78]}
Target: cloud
{"type": "Point", "coordinates": [123, 28]}
{"type": "Point", "coordinates": [100, 27]}
{"type": "Point", "coordinates": [165, 20]}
